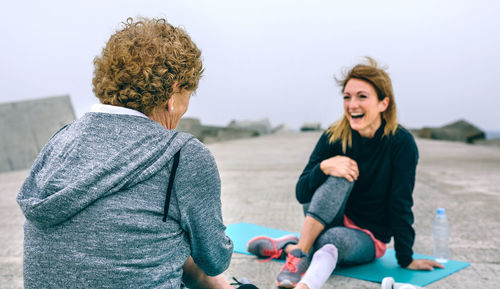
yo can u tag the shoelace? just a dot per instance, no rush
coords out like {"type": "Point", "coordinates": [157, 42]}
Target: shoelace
{"type": "Point", "coordinates": [292, 262]}
{"type": "Point", "coordinates": [271, 253]}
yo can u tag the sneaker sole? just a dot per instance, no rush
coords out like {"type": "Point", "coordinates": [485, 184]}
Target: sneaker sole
{"type": "Point", "coordinates": [286, 284]}
{"type": "Point", "coordinates": [284, 238]}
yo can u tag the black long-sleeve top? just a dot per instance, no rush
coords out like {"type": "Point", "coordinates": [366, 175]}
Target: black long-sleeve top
{"type": "Point", "coordinates": [381, 198]}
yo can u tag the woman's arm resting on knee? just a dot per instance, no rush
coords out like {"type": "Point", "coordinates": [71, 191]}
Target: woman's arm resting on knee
{"type": "Point", "coordinates": [313, 176]}
{"type": "Point", "coordinates": [195, 278]}
{"type": "Point", "coordinates": [340, 166]}
{"type": "Point", "coordinates": [424, 264]}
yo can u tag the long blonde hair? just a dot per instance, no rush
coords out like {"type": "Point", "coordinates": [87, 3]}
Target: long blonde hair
{"type": "Point", "coordinates": [381, 82]}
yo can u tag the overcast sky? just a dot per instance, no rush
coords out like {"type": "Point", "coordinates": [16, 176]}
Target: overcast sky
{"type": "Point", "coordinates": [274, 59]}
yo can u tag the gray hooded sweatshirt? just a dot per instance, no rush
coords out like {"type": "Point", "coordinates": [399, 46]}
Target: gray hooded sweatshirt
{"type": "Point", "coordinates": [94, 200]}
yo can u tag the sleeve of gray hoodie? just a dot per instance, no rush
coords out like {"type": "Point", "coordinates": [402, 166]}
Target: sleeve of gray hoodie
{"type": "Point", "coordinates": [197, 188]}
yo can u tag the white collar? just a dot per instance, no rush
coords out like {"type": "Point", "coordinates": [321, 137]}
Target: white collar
{"type": "Point", "coordinates": [112, 109]}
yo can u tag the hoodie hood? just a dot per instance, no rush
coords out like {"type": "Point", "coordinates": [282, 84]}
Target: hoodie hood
{"type": "Point", "coordinates": [92, 158]}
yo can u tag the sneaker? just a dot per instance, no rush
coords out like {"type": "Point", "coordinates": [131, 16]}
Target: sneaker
{"type": "Point", "coordinates": [265, 247]}
{"type": "Point", "coordinates": [295, 267]}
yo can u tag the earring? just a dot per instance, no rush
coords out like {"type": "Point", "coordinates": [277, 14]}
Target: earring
{"type": "Point", "coordinates": [171, 108]}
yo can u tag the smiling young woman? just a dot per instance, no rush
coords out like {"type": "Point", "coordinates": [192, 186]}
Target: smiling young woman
{"type": "Point", "coordinates": [356, 189]}
{"type": "Point", "coordinates": [362, 107]}
{"type": "Point", "coordinates": [376, 83]}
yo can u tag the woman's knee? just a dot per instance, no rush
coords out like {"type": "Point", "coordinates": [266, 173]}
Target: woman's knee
{"type": "Point", "coordinates": [330, 249]}
{"type": "Point", "coordinates": [354, 247]}
{"type": "Point", "coordinates": [329, 200]}
{"type": "Point", "coordinates": [339, 183]}
{"type": "Point", "coordinates": [332, 236]}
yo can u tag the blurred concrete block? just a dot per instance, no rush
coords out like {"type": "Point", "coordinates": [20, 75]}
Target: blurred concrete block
{"type": "Point", "coordinates": [210, 134]}
{"type": "Point", "coordinates": [26, 126]}
{"type": "Point", "coordinates": [460, 130]}
{"type": "Point", "coordinates": [262, 126]}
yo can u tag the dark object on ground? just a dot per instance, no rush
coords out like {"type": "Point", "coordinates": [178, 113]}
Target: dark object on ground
{"type": "Point", "coordinates": [311, 126]}
{"type": "Point", "coordinates": [243, 283]}
{"type": "Point", "coordinates": [247, 286]}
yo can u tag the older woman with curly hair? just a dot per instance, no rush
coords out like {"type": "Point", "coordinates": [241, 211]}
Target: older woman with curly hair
{"type": "Point", "coordinates": [118, 198]}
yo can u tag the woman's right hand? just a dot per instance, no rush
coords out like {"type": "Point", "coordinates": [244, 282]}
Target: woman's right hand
{"type": "Point", "coordinates": [340, 166]}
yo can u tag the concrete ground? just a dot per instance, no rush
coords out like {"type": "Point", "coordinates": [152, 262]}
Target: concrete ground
{"type": "Point", "coordinates": [258, 184]}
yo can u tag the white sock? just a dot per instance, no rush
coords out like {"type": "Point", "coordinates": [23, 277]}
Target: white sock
{"type": "Point", "coordinates": [322, 265]}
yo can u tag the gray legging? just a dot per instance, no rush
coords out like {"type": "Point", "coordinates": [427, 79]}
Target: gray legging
{"type": "Point", "coordinates": [327, 206]}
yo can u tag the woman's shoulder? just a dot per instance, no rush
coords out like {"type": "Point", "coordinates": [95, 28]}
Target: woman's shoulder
{"type": "Point", "coordinates": [403, 141]}
{"type": "Point", "coordinates": [325, 136]}
{"type": "Point", "coordinates": [197, 160]}
{"type": "Point", "coordinates": [403, 135]}
{"type": "Point", "coordinates": [193, 145]}
{"type": "Point", "coordinates": [195, 151]}
{"type": "Point", "coordinates": [326, 141]}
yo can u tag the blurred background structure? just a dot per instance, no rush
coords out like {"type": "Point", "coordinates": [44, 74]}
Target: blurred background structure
{"type": "Point", "coordinates": [26, 126]}
{"type": "Point", "coordinates": [274, 59]}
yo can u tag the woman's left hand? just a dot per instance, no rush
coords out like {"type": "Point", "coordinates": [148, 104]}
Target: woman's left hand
{"type": "Point", "coordinates": [424, 264]}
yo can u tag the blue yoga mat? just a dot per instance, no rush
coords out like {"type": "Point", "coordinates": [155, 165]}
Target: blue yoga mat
{"type": "Point", "coordinates": [386, 266]}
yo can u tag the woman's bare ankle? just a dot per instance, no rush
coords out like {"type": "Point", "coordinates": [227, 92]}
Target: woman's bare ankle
{"type": "Point", "coordinates": [291, 247]}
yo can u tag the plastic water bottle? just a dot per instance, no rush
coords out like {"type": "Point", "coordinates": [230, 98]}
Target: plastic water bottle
{"type": "Point", "coordinates": [441, 236]}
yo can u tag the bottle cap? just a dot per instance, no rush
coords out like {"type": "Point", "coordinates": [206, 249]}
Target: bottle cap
{"type": "Point", "coordinates": [441, 211]}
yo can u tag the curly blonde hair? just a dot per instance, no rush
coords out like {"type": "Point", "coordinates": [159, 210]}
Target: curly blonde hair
{"type": "Point", "coordinates": [381, 82]}
{"type": "Point", "coordinates": [141, 63]}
